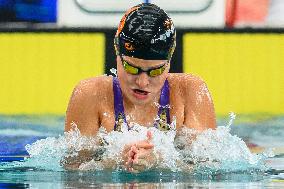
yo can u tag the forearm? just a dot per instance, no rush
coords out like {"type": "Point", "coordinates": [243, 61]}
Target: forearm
{"type": "Point", "coordinates": [73, 160]}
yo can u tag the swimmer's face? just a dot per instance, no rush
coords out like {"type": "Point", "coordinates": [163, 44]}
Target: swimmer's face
{"type": "Point", "coordinates": [144, 87]}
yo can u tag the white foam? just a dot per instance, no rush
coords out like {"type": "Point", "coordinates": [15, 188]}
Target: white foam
{"type": "Point", "coordinates": [216, 150]}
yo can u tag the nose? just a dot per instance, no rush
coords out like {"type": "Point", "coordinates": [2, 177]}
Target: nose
{"type": "Point", "coordinates": [142, 80]}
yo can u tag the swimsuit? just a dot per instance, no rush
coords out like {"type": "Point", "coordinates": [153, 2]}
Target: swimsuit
{"type": "Point", "coordinates": [163, 121]}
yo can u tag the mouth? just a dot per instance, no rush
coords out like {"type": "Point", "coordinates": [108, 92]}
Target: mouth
{"type": "Point", "coordinates": [140, 94]}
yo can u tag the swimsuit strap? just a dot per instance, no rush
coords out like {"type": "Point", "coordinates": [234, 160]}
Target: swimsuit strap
{"type": "Point", "coordinates": [163, 122]}
{"type": "Point", "coordinates": [118, 105]}
{"type": "Point", "coordinates": [165, 101]}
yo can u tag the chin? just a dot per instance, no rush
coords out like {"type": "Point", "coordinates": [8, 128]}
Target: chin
{"type": "Point", "coordinates": [137, 101]}
{"type": "Point", "coordinates": [142, 102]}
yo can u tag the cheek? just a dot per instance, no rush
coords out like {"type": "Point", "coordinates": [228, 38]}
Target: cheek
{"type": "Point", "coordinates": [125, 79]}
{"type": "Point", "coordinates": [157, 83]}
{"type": "Point", "coordinates": [122, 75]}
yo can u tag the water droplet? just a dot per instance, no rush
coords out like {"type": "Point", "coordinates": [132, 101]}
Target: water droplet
{"type": "Point", "coordinates": [113, 71]}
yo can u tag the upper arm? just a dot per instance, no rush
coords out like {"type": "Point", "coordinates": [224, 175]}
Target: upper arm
{"type": "Point", "coordinates": [83, 110]}
{"type": "Point", "coordinates": [199, 107]}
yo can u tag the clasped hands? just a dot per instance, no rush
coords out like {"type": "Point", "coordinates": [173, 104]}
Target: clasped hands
{"type": "Point", "coordinates": [139, 156]}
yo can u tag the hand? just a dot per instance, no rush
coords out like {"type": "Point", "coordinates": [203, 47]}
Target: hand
{"type": "Point", "coordinates": [138, 156]}
{"type": "Point", "coordinates": [144, 159]}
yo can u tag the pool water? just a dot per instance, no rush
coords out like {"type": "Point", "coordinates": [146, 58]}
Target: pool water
{"type": "Point", "coordinates": [258, 131]}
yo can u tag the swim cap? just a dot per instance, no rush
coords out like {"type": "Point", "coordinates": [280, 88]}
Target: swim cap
{"type": "Point", "coordinates": [146, 32]}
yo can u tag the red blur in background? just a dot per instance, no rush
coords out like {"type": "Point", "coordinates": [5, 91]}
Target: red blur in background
{"type": "Point", "coordinates": [246, 12]}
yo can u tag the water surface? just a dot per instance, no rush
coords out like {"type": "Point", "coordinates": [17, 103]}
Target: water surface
{"type": "Point", "coordinates": [259, 132]}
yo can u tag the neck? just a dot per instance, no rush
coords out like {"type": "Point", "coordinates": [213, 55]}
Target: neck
{"type": "Point", "coordinates": [143, 114]}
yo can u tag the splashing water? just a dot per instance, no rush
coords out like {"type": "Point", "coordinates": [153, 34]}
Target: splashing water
{"type": "Point", "coordinates": [210, 151]}
{"type": "Point", "coordinates": [113, 71]}
{"type": "Point", "coordinates": [232, 118]}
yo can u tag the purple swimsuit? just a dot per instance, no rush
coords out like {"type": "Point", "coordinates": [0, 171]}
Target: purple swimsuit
{"type": "Point", "coordinates": [163, 123]}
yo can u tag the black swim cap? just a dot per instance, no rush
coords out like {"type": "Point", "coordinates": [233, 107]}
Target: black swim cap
{"type": "Point", "coordinates": [146, 32]}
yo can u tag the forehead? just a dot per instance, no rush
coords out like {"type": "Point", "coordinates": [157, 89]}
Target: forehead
{"type": "Point", "coordinates": [144, 63]}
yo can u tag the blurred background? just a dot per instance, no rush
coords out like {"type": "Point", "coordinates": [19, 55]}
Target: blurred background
{"type": "Point", "coordinates": [48, 46]}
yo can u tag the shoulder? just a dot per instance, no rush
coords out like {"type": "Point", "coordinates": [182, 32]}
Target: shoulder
{"type": "Point", "coordinates": [184, 76]}
{"type": "Point", "coordinates": [94, 82]}
{"type": "Point", "coordinates": [92, 88]}
{"type": "Point", "coordinates": [186, 83]}
{"type": "Point", "coordinates": [198, 105]}
{"type": "Point", "coordinates": [86, 102]}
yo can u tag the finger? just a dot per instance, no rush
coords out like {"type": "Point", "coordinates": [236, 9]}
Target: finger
{"type": "Point", "coordinates": [134, 152]}
{"type": "Point", "coordinates": [130, 161]}
{"type": "Point", "coordinates": [149, 135]}
{"type": "Point", "coordinates": [129, 164]}
{"type": "Point", "coordinates": [127, 147]}
{"type": "Point", "coordinates": [128, 154]}
{"type": "Point", "coordinates": [131, 153]}
{"type": "Point", "coordinates": [134, 148]}
{"type": "Point", "coordinates": [135, 159]}
{"type": "Point", "coordinates": [144, 144]}
{"type": "Point", "coordinates": [131, 170]}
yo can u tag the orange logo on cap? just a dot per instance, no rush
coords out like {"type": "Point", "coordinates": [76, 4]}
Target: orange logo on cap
{"type": "Point", "coordinates": [168, 24]}
{"type": "Point", "coordinates": [129, 46]}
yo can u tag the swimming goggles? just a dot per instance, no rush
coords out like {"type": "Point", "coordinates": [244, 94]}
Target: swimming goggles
{"type": "Point", "coordinates": [152, 72]}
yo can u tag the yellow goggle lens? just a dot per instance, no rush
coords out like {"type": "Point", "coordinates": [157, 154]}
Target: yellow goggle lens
{"type": "Point", "coordinates": [156, 72]}
{"type": "Point", "coordinates": [130, 69]}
